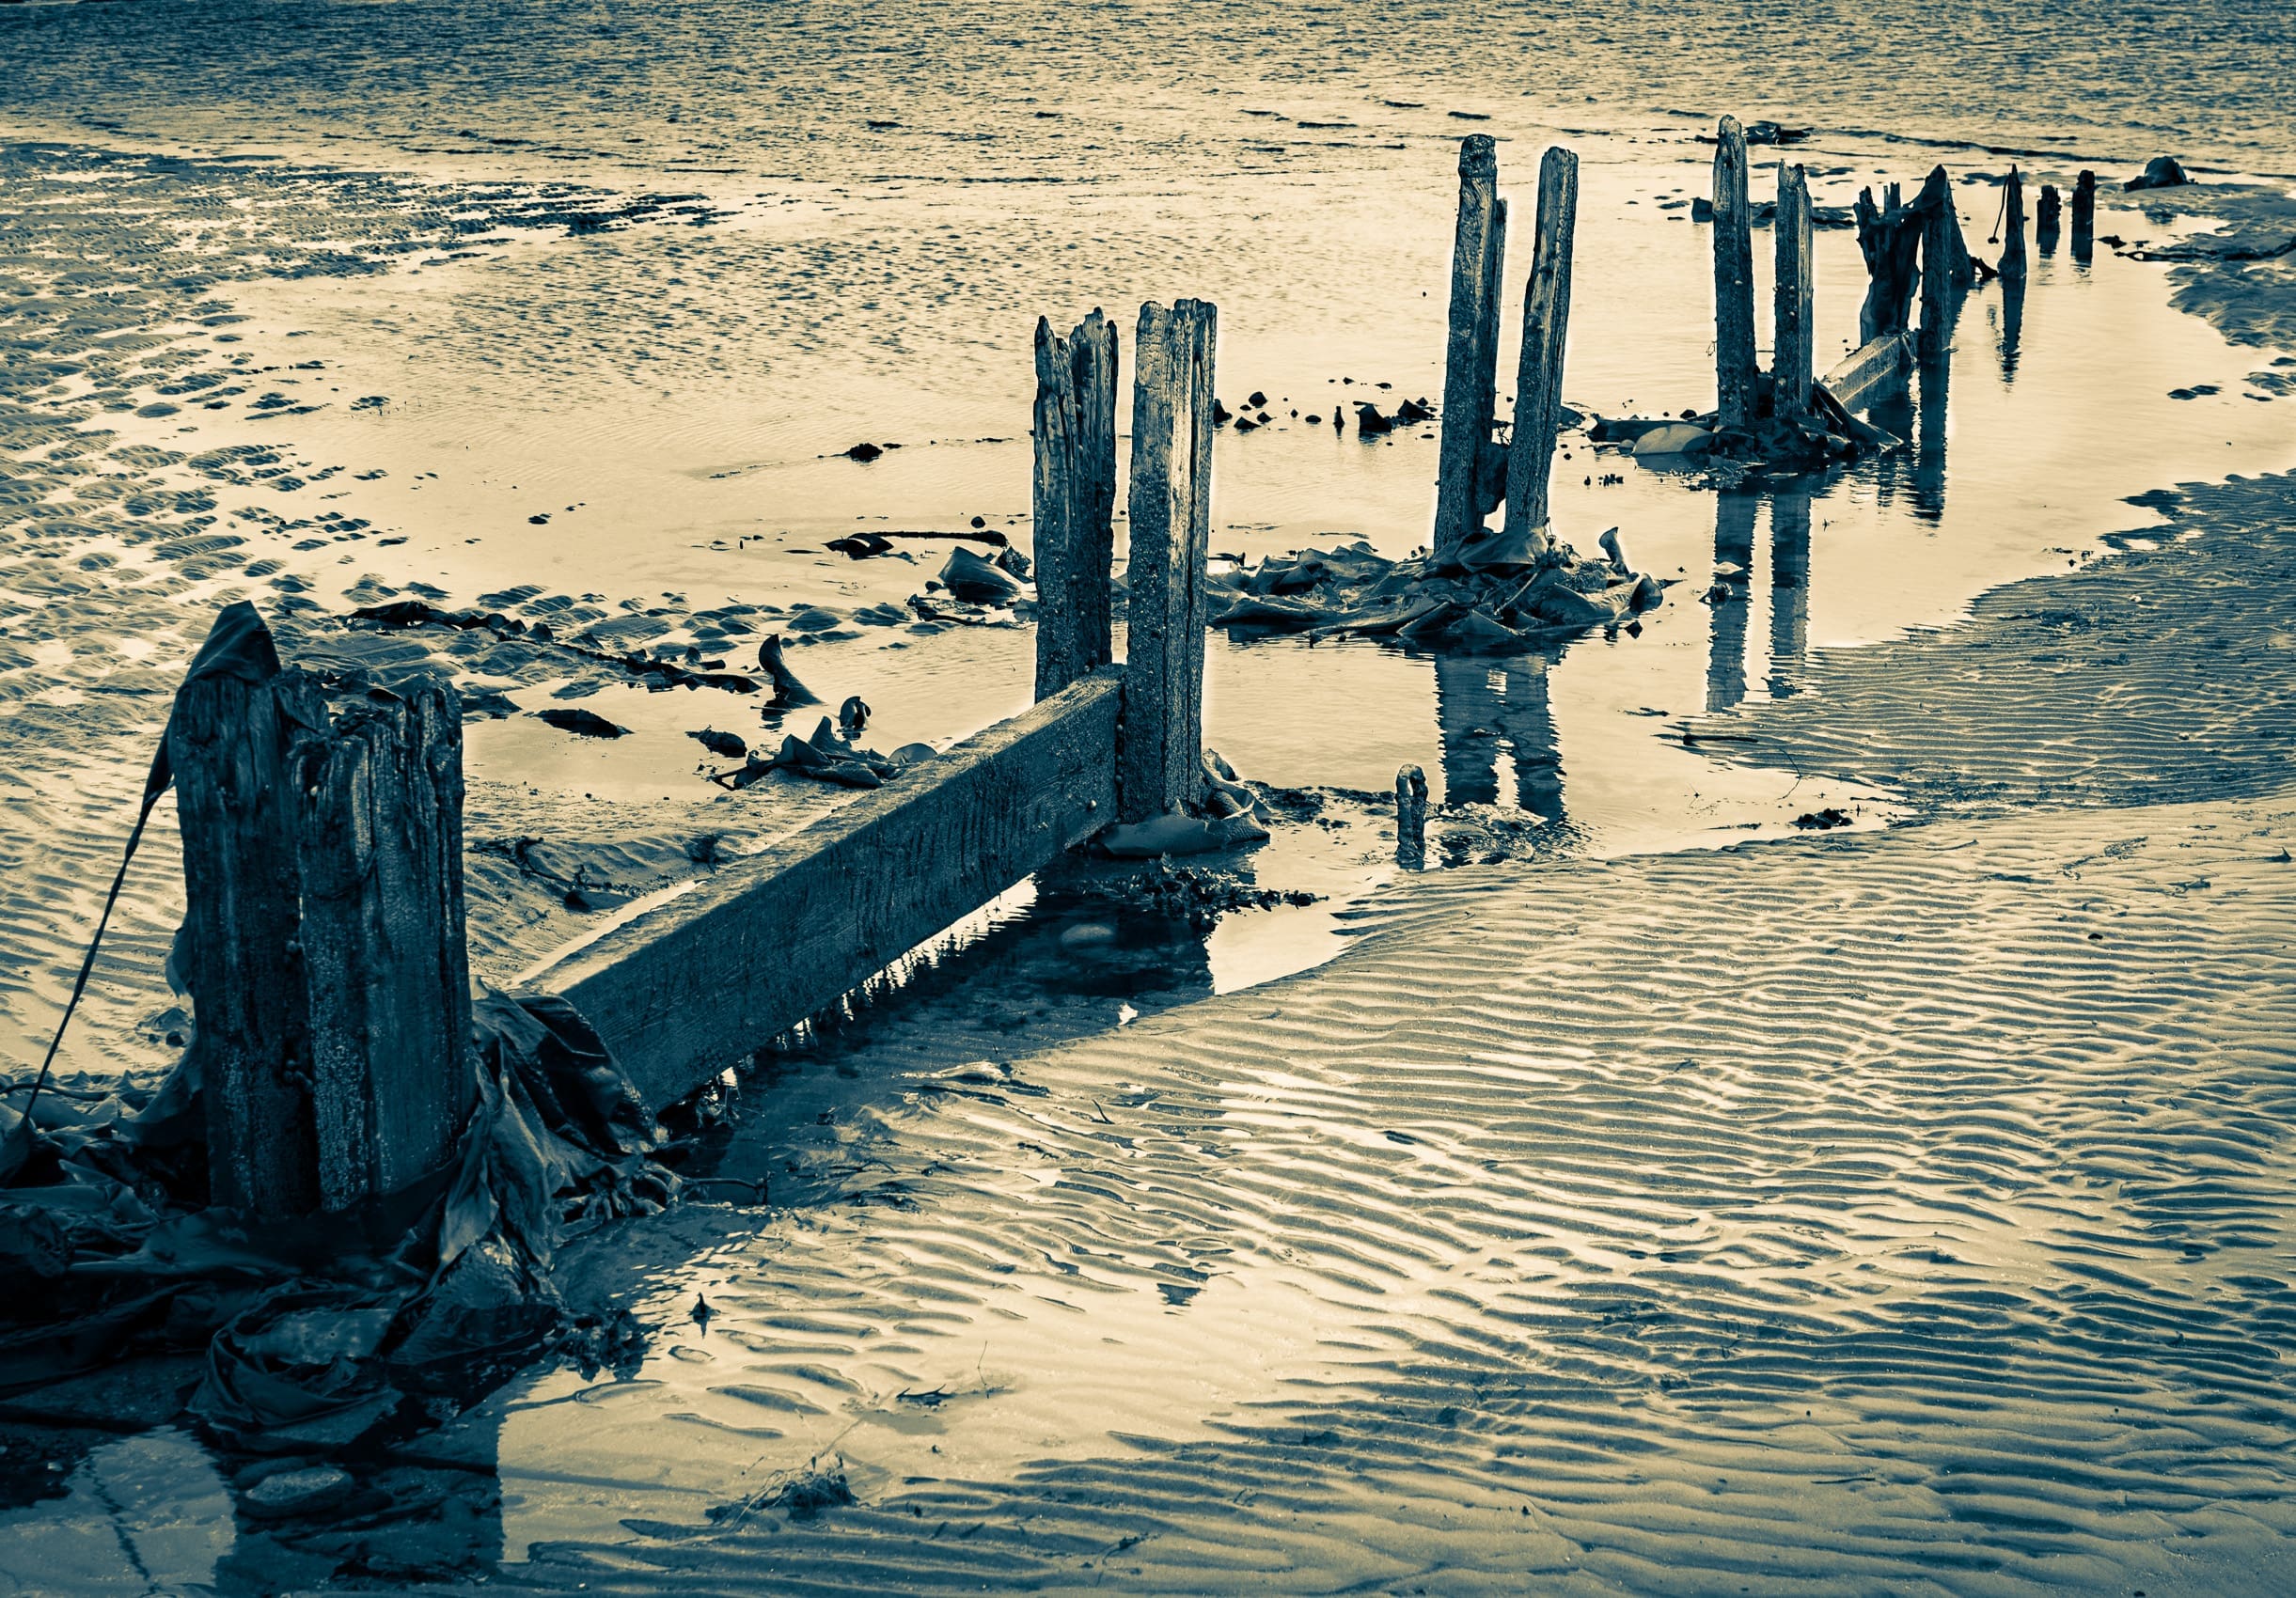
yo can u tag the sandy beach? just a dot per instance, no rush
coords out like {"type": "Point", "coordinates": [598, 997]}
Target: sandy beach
{"type": "Point", "coordinates": [1660, 1192]}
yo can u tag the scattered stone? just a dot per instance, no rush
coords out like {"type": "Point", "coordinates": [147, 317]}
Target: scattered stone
{"type": "Point", "coordinates": [853, 715]}
{"type": "Point", "coordinates": [293, 1493]}
{"type": "Point", "coordinates": [584, 723]}
{"type": "Point", "coordinates": [1822, 820]}
{"type": "Point", "coordinates": [1369, 423]}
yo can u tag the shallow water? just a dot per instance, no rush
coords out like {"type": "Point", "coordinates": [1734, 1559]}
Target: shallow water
{"type": "Point", "coordinates": [739, 273]}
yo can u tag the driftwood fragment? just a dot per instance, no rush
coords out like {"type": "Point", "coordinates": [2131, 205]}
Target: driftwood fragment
{"type": "Point", "coordinates": [1074, 499]}
{"type": "Point", "coordinates": [1470, 356]}
{"type": "Point", "coordinates": [1538, 386]}
{"type": "Point", "coordinates": [1735, 365]}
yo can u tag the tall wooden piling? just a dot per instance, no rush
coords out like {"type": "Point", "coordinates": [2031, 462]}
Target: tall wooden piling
{"type": "Point", "coordinates": [1946, 269]}
{"type": "Point", "coordinates": [2084, 216]}
{"type": "Point", "coordinates": [1074, 499]}
{"type": "Point", "coordinates": [2013, 228]}
{"type": "Point", "coordinates": [322, 864]}
{"type": "Point", "coordinates": [1470, 356]}
{"type": "Point", "coordinates": [1538, 384]}
{"type": "Point", "coordinates": [1161, 763]}
{"type": "Point", "coordinates": [1734, 369]}
{"type": "Point", "coordinates": [1793, 339]}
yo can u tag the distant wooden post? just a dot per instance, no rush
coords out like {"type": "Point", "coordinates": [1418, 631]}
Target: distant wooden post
{"type": "Point", "coordinates": [2084, 216]}
{"type": "Point", "coordinates": [1471, 355]}
{"type": "Point", "coordinates": [322, 866]}
{"type": "Point", "coordinates": [1793, 345]}
{"type": "Point", "coordinates": [1159, 763]}
{"type": "Point", "coordinates": [2013, 230]}
{"type": "Point", "coordinates": [1074, 500]}
{"type": "Point", "coordinates": [1538, 384]}
{"type": "Point", "coordinates": [2048, 219]}
{"type": "Point", "coordinates": [1733, 353]}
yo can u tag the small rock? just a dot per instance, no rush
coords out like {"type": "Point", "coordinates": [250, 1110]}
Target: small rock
{"type": "Point", "coordinates": [2161, 172]}
{"type": "Point", "coordinates": [588, 724]}
{"type": "Point", "coordinates": [296, 1493]}
{"type": "Point", "coordinates": [863, 452]}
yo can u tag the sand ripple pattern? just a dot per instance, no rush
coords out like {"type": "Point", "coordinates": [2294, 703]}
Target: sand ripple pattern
{"type": "Point", "coordinates": [1900, 1213]}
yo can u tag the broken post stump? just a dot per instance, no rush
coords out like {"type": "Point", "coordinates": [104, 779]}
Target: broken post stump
{"type": "Point", "coordinates": [2013, 230]}
{"type": "Point", "coordinates": [1074, 499]}
{"type": "Point", "coordinates": [1159, 763]}
{"type": "Point", "coordinates": [1471, 355]}
{"type": "Point", "coordinates": [1946, 271]}
{"type": "Point", "coordinates": [2084, 216]}
{"type": "Point", "coordinates": [322, 866]}
{"type": "Point", "coordinates": [2047, 218]}
{"type": "Point", "coordinates": [1734, 346]}
{"type": "Point", "coordinates": [1410, 817]}
{"type": "Point", "coordinates": [1793, 341]}
{"type": "Point", "coordinates": [1890, 240]}
{"type": "Point", "coordinates": [1538, 384]}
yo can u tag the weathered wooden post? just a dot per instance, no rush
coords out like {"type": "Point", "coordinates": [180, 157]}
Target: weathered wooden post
{"type": "Point", "coordinates": [1410, 817]}
{"type": "Point", "coordinates": [1793, 341]}
{"type": "Point", "coordinates": [1074, 499]}
{"type": "Point", "coordinates": [1733, 353]}
{"type": "Point", "coordinates": [1538, 384]}
{"type": "Point", "coordinates": [1160, 760]}
{"type": "Point", "coordinates": [1471, 355]}
{"type": "Point", "coordinates": [2048, 219]}
{"type": "Point", "coordinates": [1890, 240]}
{"type": "Point", "coordinates": [2013, 230]}
{"type": "Point", "coordinates": [2084, 216]}
{"type": "Point", "coordinates": [1946, 269]}
{"type": "Point", "coordinates": [322, 864]}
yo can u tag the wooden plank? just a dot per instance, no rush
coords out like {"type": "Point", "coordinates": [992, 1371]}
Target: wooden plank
{"type": "Point", "coordinates": [1868, 371]}
{"type": "Point", "coordinates": [689, 988]}
{"type": "Point", "coordinates": [1734, 369]}
{"type": "Point", "coordinates": [2084, 216]}
{"type": "Point", "coordinates": [1538, 383]}
{"type": "Point", "coordinates": [1170, 511]}
{"type": "Point", "coordinates": [378, 787]}
{"type": "Point", "coordinates": [1793, 338]}
{"type": "Point", "coordinates": [1471, 354]}
{"type": "Point", "coordinates": [1074, 499]}
{"type": "Point", "coordinates": [227, 742]}
{"type": "Point", "coordinates": [2013, 230]}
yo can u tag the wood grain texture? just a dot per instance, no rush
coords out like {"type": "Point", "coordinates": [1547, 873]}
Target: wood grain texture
{"type": "Point", "coordinates": [1471, 353]}
{"type": "Point", "coordinates": [242, 961]}
{"type": "Point", "coordinates": [378, 785]}
{"type": "Point", "coordinates": [1868, 371]}
{"type": "Point", "coordinates": [1946, 272]}
{"type": "Point", "coordinates": [689, 988]}
{"type": "Point", "coordinates": [1890, 238]}
{"type": "Point", "coordinates": [1170, 511]}
{"type": "Point", "coordinates": [1538, 384]}
{"type": "Point", "coordinates": [1074, 499]}
{"type": "Point", "coordinates": [1734, 369]}
{"type": "Point", "coordinates": [1793, 338]}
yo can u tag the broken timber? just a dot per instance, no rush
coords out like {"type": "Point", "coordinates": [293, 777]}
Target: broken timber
{"type": "Point", "coordinates": [1470, 359]}
{"type": "Point", "coordinates": [1734, 369]}
{"type": "Point", "coordinates": [699, 983]}
{"type": "Point", "coordinates": [1074, 499]}
{"type": "Point", "coordinates": [1538, 386]}
{"type": "Point", "coordinates": [1867, 372]}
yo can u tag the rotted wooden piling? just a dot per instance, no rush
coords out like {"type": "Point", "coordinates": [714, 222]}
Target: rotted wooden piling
{"type": "Point", "coordinates": [1734, 367]}
{"type": "Point", "coordinates": [1793, 338]}
{"type": "Point", "coordinates": [2048, 219]}
{"type": "Point", "coordinates": [2013, 228]}
{"type": "Point", "coordinates": [322, 863]}
{"type": "Point", "coordinates": [1470, 356]}
{"type": "Point", "coordinates": [1946, 269]}
{"type": "Point", "coordinates": [1159, 764]}
{"type": "Point", "coordinates": [1074, 499]}
{"type": "Point", "coordinates": [1538, 384]}
{"type": "Point", "coordinates": [2084, 216]}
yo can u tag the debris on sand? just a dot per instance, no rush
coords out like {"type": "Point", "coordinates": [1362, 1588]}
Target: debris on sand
{"type": "Point", "coordinates": [586, 724]}
{"type": "Point", "coordinates": [863, 452]}
{"type": "Point", "coordinates": [787, 690]}
{"type": "Point", "coordinates": [803, 1493]}
{"type": "Point", "coordinates": [825, 757]}
{"type": "Point", "coordinates": [969, 577]}
{"type": "Point", "coordinates": [730, 746]}
{"type": "Point", "coordinates": [2161, 172]}
{"type": "Point", "coordinates": [1497, 591]}
{"type": "Point", "coordinates": [1822, 820]}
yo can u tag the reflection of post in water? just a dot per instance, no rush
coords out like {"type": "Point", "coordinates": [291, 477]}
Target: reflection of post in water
{"type": "Point", "coordinates": [1789, 591]}
{"type": "Point", "coordinates": [1484, 704]}
{"type": "Point", "coordinates": [2012, 324]}
{"type": "Point", "coordinates": [1932, 389]}
{"type": "Point", "coordinates": [1734, 564]}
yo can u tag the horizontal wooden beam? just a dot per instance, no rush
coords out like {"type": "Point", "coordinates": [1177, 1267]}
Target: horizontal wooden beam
{"type": "Point", "coordinates": [1868, 371]}
{"type": "Point", "coordinates": [689, 987]}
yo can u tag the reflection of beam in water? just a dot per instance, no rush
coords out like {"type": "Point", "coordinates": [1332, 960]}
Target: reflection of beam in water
{"type": "Point", "coordinates": [1733, 546]}
{"type": "Point", "coordinates": [2012, 325]}
{"type": "Point", "coordinates": [1485, 705]}
{"type": "Point", "coordinates": [1789, 591]}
